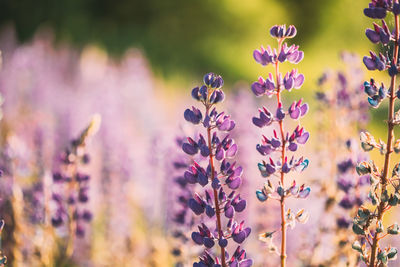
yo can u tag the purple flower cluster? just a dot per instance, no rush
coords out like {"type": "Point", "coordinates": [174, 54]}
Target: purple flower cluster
{"type": "Point", "coordinates": [378, 9]}
{"type": "Point", "coordinates": [219, 176]}
{"type": "Point", "coordinates": [277, 147]}
{"type": "Point", "coordinates": [71, 192]}
{"type": "Point", "coordinates": [352, 196]}
{"type": "Point", "coordinates": [383, 193]}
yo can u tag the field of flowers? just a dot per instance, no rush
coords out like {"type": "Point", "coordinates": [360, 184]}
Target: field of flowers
{"type": "Point", "coordinates": [103, 165]}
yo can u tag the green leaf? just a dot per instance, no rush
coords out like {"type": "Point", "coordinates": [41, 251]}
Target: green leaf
{"type": "Point", "coordinates": [392, 253]}
{"type": "Point", "coordinates": [357, 229]}
{"type": "Point", "coordinates": [357, 246]}
{"type": "Point", "coordinates": [393, 229]}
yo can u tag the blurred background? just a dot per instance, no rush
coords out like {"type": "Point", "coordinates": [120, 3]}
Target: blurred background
{"type": "Point", "coordinates": [133, 63]}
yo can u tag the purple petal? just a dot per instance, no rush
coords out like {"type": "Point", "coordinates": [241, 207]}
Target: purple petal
{"type": "Point", "coordinates": [202, 179]}
{"type": "Point", "coordinates": [258, 57]}
{"type": "Point", "coordinates": [270, 169]}
{"type": "Point", "coordinates": [231, 126]}
{"type": "Point", "coordinates": [280, 114]}
{"type": "Point", "coordinates": [369, 63]}
{"type": "Point", "coordinates": [240, 237]}
{"type": "Point", "coordinates": [298, 82]}
{"type": "Point", "coordinates": [282, 56]}
{"type": "Point", "coordinates": [196, 207]}
{"type": "Point", "coordinates": [304, 109]}
{"type": "Point", "coordinates": [231, 152]}
{"type": "Point", "coordinates": [189, 149]}
{"type": "Point", "coordinates": [275, 142]}
{"type": "Point", "coordinates": [380, 12]}
{"type": "Point", "coordinates": [264, 150]}
{"type": "Point", "coordinates": [258, 89]}
{"type": "Point", "coordinates": [373, 36]}
{"type": "Point", "coordinates": [289, 83]}
{"type": "Point", "coordinates": [238, 171]}
{"type": "Point", "coordinates": [229, 212]}
{"type": "Point", "coordinates": [304, 193]}
{"type": "Point", "coordinates": [190, 178]}
{"type": "Point", "coordinates": [219, 155]}
{"type": "Point", "coordinates": [208, 242]}
{"type": "Point", "coordinates": [303, 138]}
{"type": "Point", "coordinates": [247, 230]}
{"type": "Point", "coordinates": [295, 114]}
{"type": "Point", "coordinates": [234, 183]}
{"type": "Point", "coordinates": [197, 238]}
{"type": "Point", "coordinates": [223, 242]}
{"type": "Point", "coordinates": [258, 122]}
{"type": "Point", "coordinates": [240, 206]}
{"type": "Point", "coordinates": [246, 263]}
{"type": "Point", "coordinates": [292, 147]}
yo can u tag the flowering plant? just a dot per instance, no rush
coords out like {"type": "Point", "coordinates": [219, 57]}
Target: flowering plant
{"type": "Point", "coordinates": [384, 187]}
{"type": "Point", "coordinates": [277, 147]}
{"type": "Point", "coordinates": [221, 178]}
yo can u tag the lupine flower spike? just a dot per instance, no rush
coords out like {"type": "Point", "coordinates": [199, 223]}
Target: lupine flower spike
{"type": "Point", "coordinates": [74, 187]}
{"type": "Point", "coordinates": [276, 148]}
{"type": "Point", "coordinates": [384, 187]}
{"type": "Point", "coordinates": [220, 179]}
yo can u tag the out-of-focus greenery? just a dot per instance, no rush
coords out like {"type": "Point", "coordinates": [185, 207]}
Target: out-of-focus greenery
{"type": "Point", "coordinates": [185, 38]}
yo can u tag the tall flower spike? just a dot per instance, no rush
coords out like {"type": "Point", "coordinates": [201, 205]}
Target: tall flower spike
{"type": "Point", "coordinates": [340, 188]}
{"type": "Point", "coordinates": [277, 147]}
{"type": "Point", "coordinates": [220, 178]}
{"type": "Point", "coordinates": [368, 223]}
{"type": "Point", "coordinates": [72, 187]}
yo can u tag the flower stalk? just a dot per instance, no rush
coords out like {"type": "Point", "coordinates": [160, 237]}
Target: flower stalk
{"type": "Point", "coordinates": [369, 222]}
{"type": "Point", "coordinates": [282, 141]}
{"type": "Point", "coordinates": [220, 176]}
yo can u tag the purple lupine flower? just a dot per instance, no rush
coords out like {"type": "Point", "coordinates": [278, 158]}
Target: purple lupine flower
{"type": "Point", "coordinates": [340, 187]}
{"type": "Point", "coordinates": [368, 222]}
{"type": "Point", "coordinates": [219, 198]}
{"type": "Point", "coordinates": [71, 187]}
{"type": "Point", "coordinates": [277, 147]}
